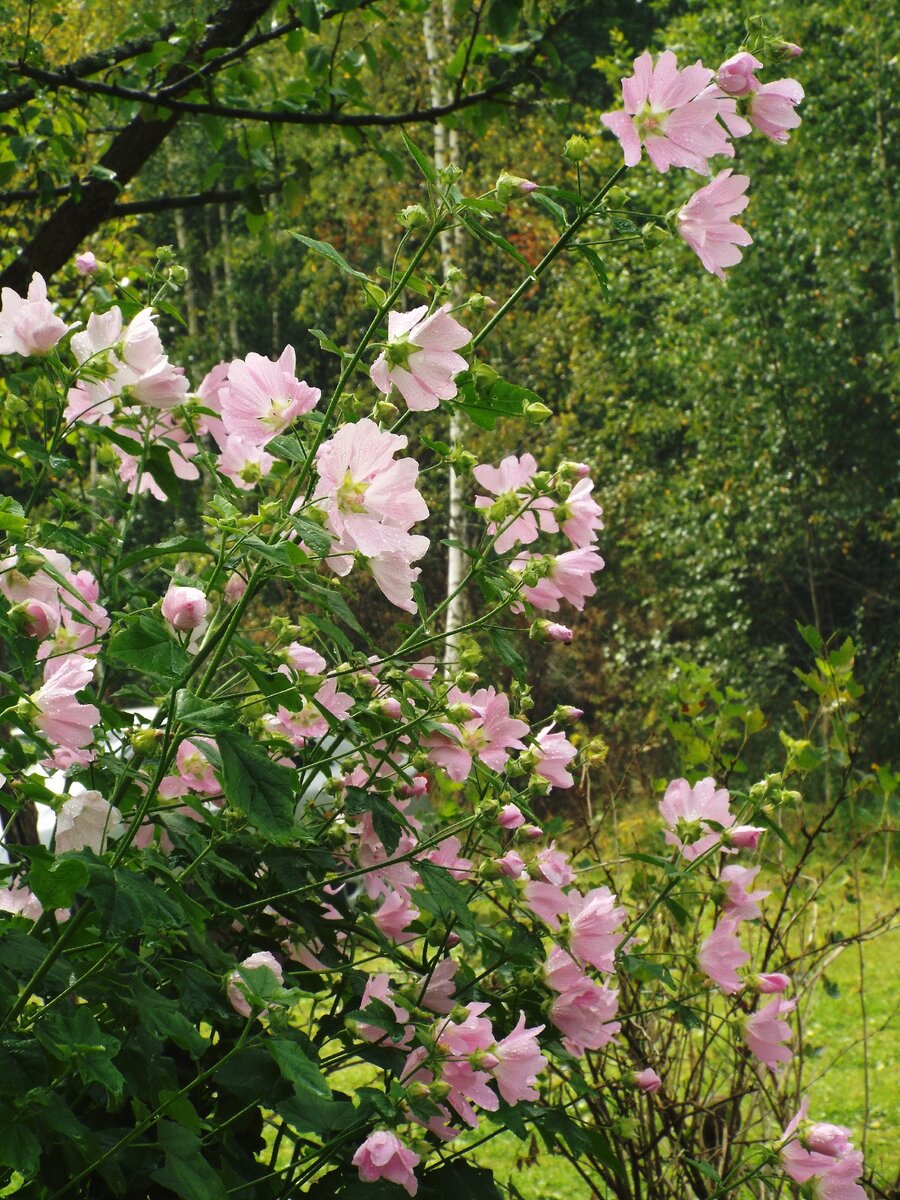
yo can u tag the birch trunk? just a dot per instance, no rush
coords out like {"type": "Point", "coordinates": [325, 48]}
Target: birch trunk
{"type": "Point", "coordinates": [436, 30]}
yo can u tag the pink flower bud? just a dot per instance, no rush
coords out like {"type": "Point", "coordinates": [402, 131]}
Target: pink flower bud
{"type": "Point", "coordinates": [85, 263]}
{"type": "Point", "coordinates": [772, 984]}
{"type": "Point", "coordinates": [510, 817]}
{"type": "Point", "coordinates": [744, 837]}
{"type": "Point", "coordinates": [184, 607]}
{"type": "Point", "coordinates": [418, 787]}
{"type": "Point", "coordinates": [235, 588]}
{"type": "Point", "coordinates": [831, 1140]}
{"type": "Point", "coordinates": [511, 864]}
{"type": "Point", "coordinates": [235, 986]}
{"type": "Point", "coordinates": [647, 1081]}
{"type": "Point", "coordinates": [735, 76]}
{"type": "Point", "coordinates": [790, 49]}
{"type": "Point", "coordinates": [559, 633]}
{"type": "Point", "coordinates": [452, 940]}
{"type": "Point", "coordinates": [532, 832]}
{"type": "Point", "coordinates": [567, 712]}
{"type": "Point", "coordinates": [389, 707]}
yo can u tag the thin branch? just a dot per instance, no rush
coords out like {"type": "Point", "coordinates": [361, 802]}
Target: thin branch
{"type": "Point", "coordinates": [88, 65]}
{"type": "Point", "coordinates": [162, 99]}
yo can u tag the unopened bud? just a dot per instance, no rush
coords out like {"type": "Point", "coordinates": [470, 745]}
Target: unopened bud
{"type": "Point", "coordinates": [653, 233]}
{"type": "Point", "coordinates": [466, 679]}
{"type": "Point", "coordinates": [536, 413]}
{"type": "Point", "coordinates": [384, 411]}
{"type": "Point", "coordinates": [577, 148]}
{"type": "Point", "coordinates": [413, 216]}
{"type": "Point", "coordinates": [510, 186]}
{"type": "Point", "coordinates": [564, 713]}
{"type": "Point", "coordinates": [549, 631]}
{"type": "Point", "coordinates": [144, 741]}
{"type": "Point", "coordinates": [616, 197]}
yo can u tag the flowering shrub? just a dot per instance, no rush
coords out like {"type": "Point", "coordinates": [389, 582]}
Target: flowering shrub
{"type": "Point", "coordinates": [297, 929]}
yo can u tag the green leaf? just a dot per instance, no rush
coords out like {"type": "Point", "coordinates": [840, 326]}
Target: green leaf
{"type": "Point", "coordinates": [811, 636]}
{"type": "Point", "coordinates": [644, 970]}
{"type": "Point", "coordinates": [386, 820]}
{"type": "Point", "coordinates": [297, 1069]}
{"type": "Point", "coordinates": [502, 16]}
{"type": "Point", "coordinates": [318, 539]}
{"type": "Point", "coordinates": [461, 1178]}
{"type": "Point", "coordinates": [259, 788]}
{"type": "Point", "coordinates": [507, 653]}
{"type": "Point", "coordinates": [74, 1036]}
{"type": "Point", "coordinates": [185, 1171]}
{"type": "Point", "coordinates": [329, 252]}
{"type": "Point", "coordinates": [164, 1018]}
{"type": "Point", "coordinates": [598, 267]}
{"type": "Point", "coordinates": [422, 161]}
{"type": "Point", "coordinates": [56, 881]}
{"type": "Point", "coordinates": [130, 903]}
{"type": "Point", "coordinates": [12, 517]}
{"type": "Point", "coordinates": [487, 235]}
{"type": "Point", "coordinates": [444, 895]}
{"type": "Point", "coordinates": [19, 1148]}
{"type": "Point", "coordinates": [178, 545]}
{"type": "Point", "coordinates": [146, 645]}
{"type": "Point", "coordinates": [203, 714]}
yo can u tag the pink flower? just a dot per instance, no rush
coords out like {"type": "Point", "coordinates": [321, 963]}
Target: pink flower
{"type": "Point", "coordinates": [510, 482]}
{"type": "Point", "coordinates": [720, 956]}
{"type": "Point", "coordinates": [184, 607]}
{"type": "Point", "coordinates": [773, 983]}
{"type": "Point", "coordinates": [585, 1015]}
{"type": "Point", "coordinates": [395, 914]}
{"type": "Point", "coordinates": [29, 326]}
{"type": "Point", "coordinates": [383, 1156]}
{"type": "Point", "coordinates": [669, 112]}
{"type": "Point", "coordinates": [244, 463]}
{"type": "Point", "coordinates": [262, 397]}
{"type": "Point", "coordinates": [462, 1038]}
{"type": "Point", "coordinates": [378, 987]}
{"type": "Point", "coordinates": [237, 986]}
{"type": "Point", "coordinates": [764, 1031]}
{"type": "Point", "coordinates": [552, 866]}
{"type": "Point", "coordinates": [687, 811]}
{"type": "Point", "coordinates": [86, 820]}
{"type": "Point", "coordinates": [771, 108]}
{"type": "Point", "coordinates": [569, 578]}
{"type": "Point", "coordinates": [519, 1063]}
{"type": "Point", "coordinates": [510, 817]}
{"type": "Point", "coordinates": [511, 864]}
{"type": "Point", "coordinates": [311, 722]}
{"type": "Point", "coordinates": [705, 224]}
{"type": "Point", "coordinates": [740, 902]}
{"type": "Point", "coordinates": [744, 837]}
{"type": "Point", "coordinates": [547, 901]}
{"type": "Point", "coordinates": [86, 263]}
{"type": "Point", "coordinates": [555, 752]}
{"type": "Point", "coordinates": [20, 901]}
{"type": "Point", "coordinates": [195, 771]}
{"type": "Point", "coordinates": [439, 993]}
{"type": "Point", "coordinates": [234, 588]}
{"type": "Point", "coordinates": [419, 359]}
{"type": "Point", "coordinates": [593, 927]}
{"type": "Point", "coordinates": [61, 718]}
{"type": "Point", "coordinates": [647, 1081]}
{"type": "Point", "coordinates": [822, 1156]}
{"type": "Point", "coordinates": [735, 76]}
{"type": "Point", "coordinates": [579, 515]}
{"type": "Point", "coordinates": [306, 660]}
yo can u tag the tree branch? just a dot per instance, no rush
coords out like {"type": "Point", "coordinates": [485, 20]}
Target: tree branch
{"type": "Point", "coordinates": [161, 203]}
{"type": "Point", "coordinates": [64, 232]}
{"type": "Point", "coordinates": [88, 65]}
{"type": "Point", "coordinates": [162, 99]}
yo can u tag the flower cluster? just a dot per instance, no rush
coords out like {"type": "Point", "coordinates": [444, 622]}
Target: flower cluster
{"type": "Point", "coordinates": [683, 118]}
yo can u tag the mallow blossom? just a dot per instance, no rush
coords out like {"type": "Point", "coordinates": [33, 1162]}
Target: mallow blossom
{"type": "Point", "coordinates": [509, 483]}
{"type": "Point", "coordinates": [62, 719]}
{"type": "Point", "coordinates": [29, 326]}
{"type": "Point", "coordinates": [688, 810]}
{"type": "Point", "coordinates": [705, 222]}
{"type": "Point", "coordinates": [822, 1156]}
{"type": "Point", "coordinates": [671, 114]}
{"type": "Point", "coordinates": [765, 1032]}
{"type": "Point", "coordinates": [237, 986]}
{"type": "Point", "coordinates": [86, 820]}
{"type": "Point", "coordinates": [263, 397]}
{"type": "Point", "coordinates": [419, 358]}
{"type": "Point", "coordinates": [184, 607]}
{"type": "Point", "coordinates": [721, 956]}
{"type": "Point", "coordinates": [383, 1156]}
{"type": "Point", "coordinates": [370, 501]}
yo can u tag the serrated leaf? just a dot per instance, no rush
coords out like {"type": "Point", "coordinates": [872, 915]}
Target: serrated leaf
{"type": "Point", "coordinates": [257, 787]}
{"type": "Point", "coordinates": [146, 645]}
{"type": "Point", "coordinates": [387, 821]}
{"type": "Point", "coordinates": [202, 714]}
{"type": "Point", "coordinates": [444, 895]}
{"type": "Point", "coordinates": [298, 1069]}
{"type": "Point", "coordinates": [57, 881]}
{"type": "Point", "coordinates": [185, 1171]}
{"type": "Point", "coordinates": [317, 538]}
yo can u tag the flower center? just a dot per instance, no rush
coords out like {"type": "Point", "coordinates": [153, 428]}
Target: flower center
{"type": "Point", "coordinates": [350, 495]}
